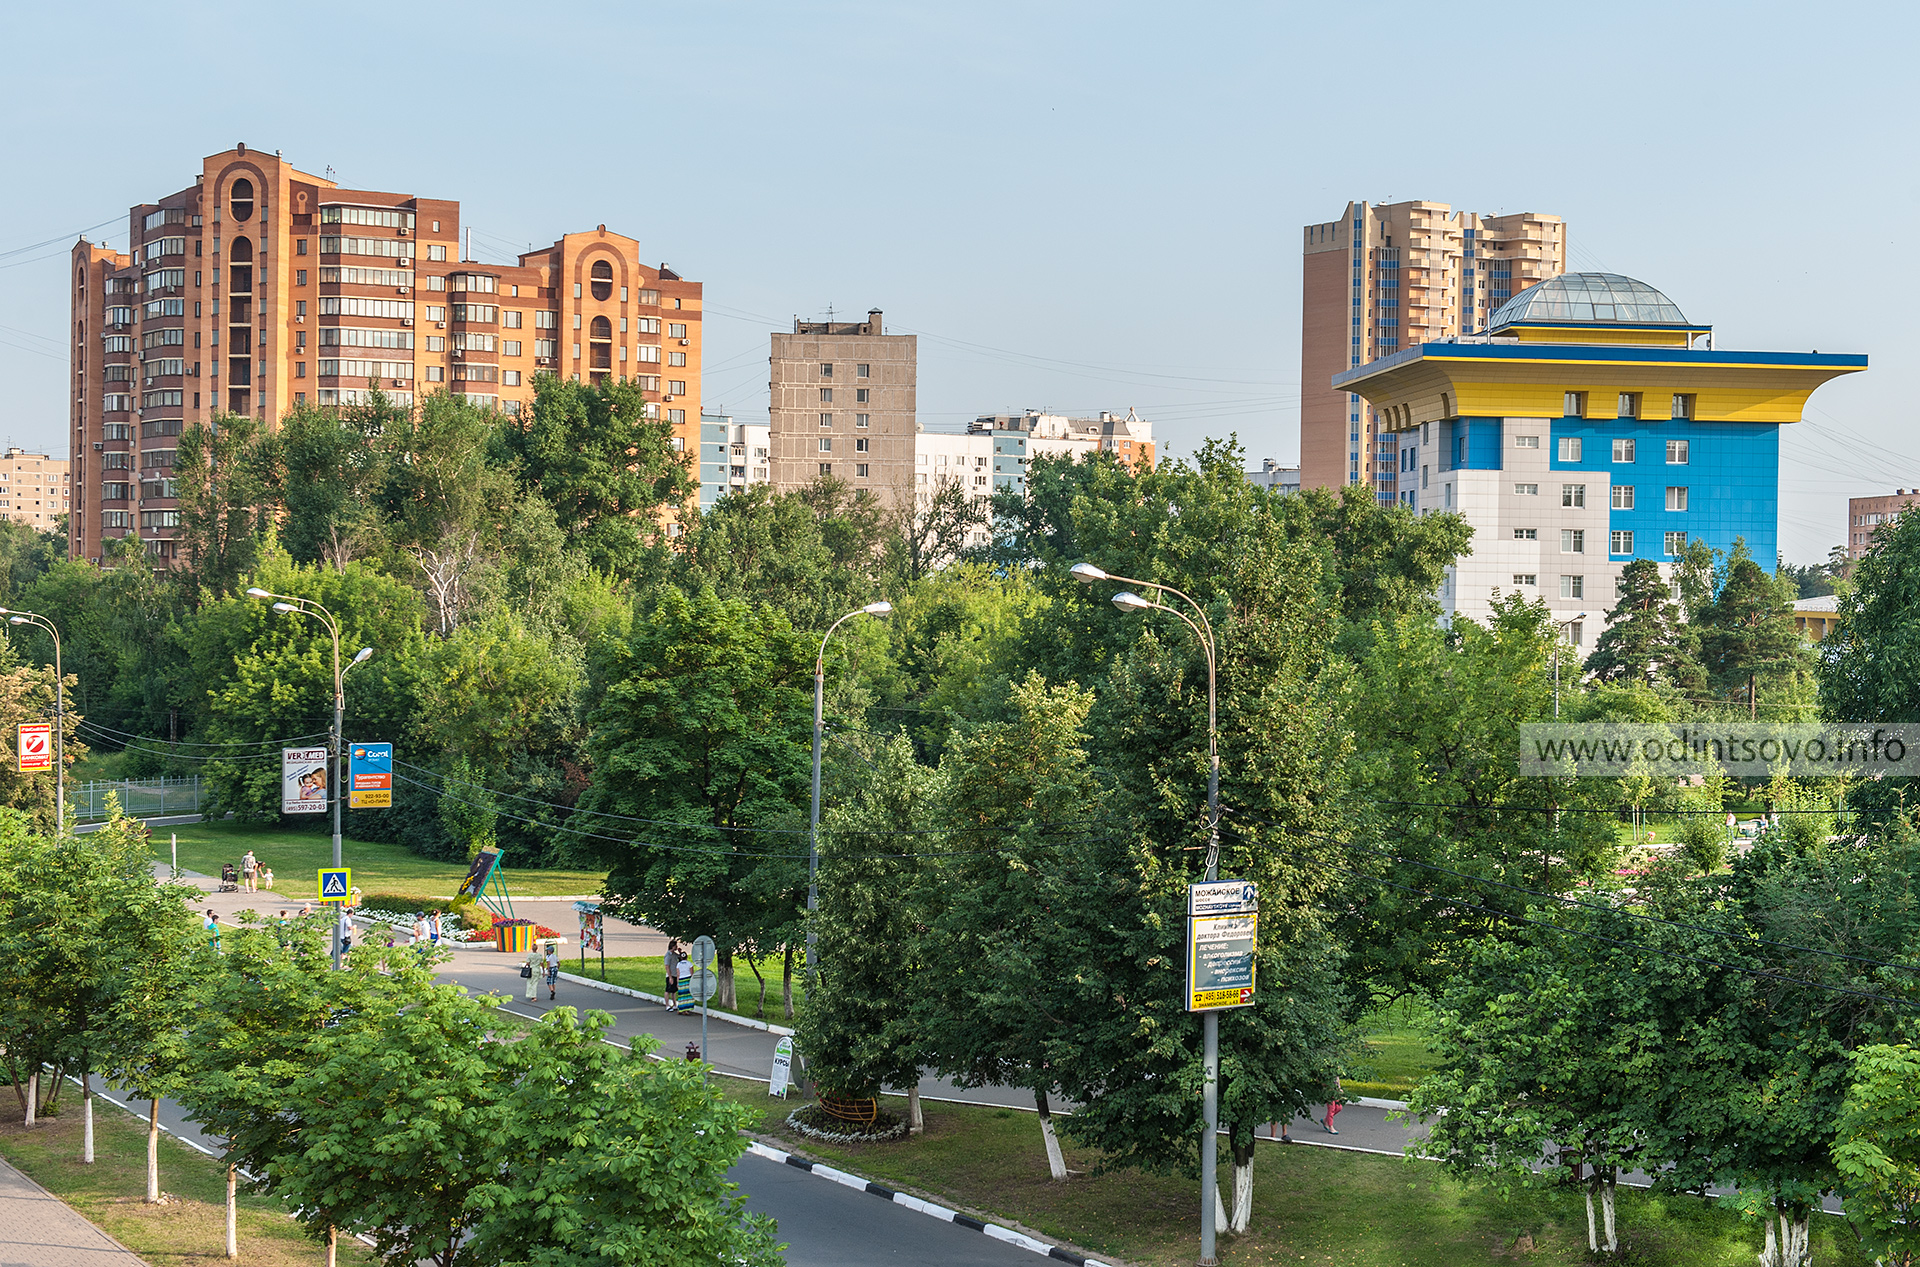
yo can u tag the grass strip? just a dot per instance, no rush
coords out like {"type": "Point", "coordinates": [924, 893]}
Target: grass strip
{"type": "Point", "coordinates": [649, 973]}
{"type": "Point", "coordinates": [111, 1193]}
{"type": "Point", "coordinates": [1317, 1207]}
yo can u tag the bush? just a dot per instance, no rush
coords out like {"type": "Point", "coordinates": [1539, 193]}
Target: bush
{"type": "Point", "coordinates": [1703, 842]}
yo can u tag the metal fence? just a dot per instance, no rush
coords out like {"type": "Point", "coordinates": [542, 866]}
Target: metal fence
{"type": "Point", "coordinates": [139, 798]}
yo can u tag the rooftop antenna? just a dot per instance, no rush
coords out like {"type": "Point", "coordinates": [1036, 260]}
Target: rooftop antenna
{"type": "Point", "coordinates": [829, 314]}
{"type": "Point", "coordinates": [329, 171]}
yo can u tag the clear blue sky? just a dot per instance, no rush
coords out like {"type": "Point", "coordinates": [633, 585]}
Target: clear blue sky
{"type": "Point", "coordinates": [1078, 207]}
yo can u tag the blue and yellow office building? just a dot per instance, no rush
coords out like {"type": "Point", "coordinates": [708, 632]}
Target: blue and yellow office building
{"type": "Point", "coordinates": [1591, 425]}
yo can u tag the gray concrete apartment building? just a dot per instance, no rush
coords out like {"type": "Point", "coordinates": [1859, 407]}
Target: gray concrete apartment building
{"type": "Point", "coordinates": [841, 401]}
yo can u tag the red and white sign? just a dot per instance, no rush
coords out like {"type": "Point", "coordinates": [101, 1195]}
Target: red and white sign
{"type": "Point", "coordinates": [36, 746]}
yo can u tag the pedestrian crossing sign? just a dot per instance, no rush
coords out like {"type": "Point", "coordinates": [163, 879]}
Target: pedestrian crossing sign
{"type": "Point", "coordinates": [336, 883]}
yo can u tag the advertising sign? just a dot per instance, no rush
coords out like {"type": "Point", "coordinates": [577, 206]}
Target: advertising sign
{"type": "Point", "coordinates": [336, 884]}
{"type": "Point", "coordinates": [303, 780]}
{"type": "Point", "coordinates": [590, 933]}
{"type": "Point", "coordinates": [782, 1069]}
{"type": "Point", "coordinates": [370, 776]}
{"type": "Point", "coordinates": [36, 746]}
{"type": "Point", "coordinates": [1222, 931]}
{"type": "Point", "coordinates": [478, 872]}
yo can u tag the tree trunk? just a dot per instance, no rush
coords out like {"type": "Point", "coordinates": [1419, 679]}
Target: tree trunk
{"type": "Point", "coordinates": [786, 981]}
{"type": "Point", "coordinates": [754, 964]}
{"type": "Point", "coordinates": [915, 1122]}
{"type": "Point", "coordinates": [1220, 1222]}
{"type": "Point", "coordinates": [86, 1130]}
{"type": "Point", "coordinates": [333, 1245]}
{"type": "Point", "coordinates": [1770, 1249]}
{"type": "Point", "coordinates": [1242, 1181]}
{"type": "Point", "coordinates": [1593, 1232]}
{"type": "Point", "coordinates": [1606, 1213]}
{"type": "Point", "coordinates": [19, 1086]}
{"type": "Point", "coordinates": [153, 1152]}
{"type": "Point", "coordinates": [233, 1217]}
{"type": "Point", "coordinates": [723, 963]}
{"type": "Point", "coordinates": [57, 1081]}
{"type": "Point", "coordinates": [1753, 708]}
{"type": "Point", "coordinates": [33, 1096]}
{"type": "Point", "coordinates": [1056, 1164]}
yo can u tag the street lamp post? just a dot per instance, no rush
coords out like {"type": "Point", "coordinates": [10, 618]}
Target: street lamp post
{"type": "Point", "coordinates": [1127, 600]}
{"type": "Point", "coordinates": [881, 608]}
{"type": "Point", "coordinates": [286, 605]}
{"type": "Point", "coordinates": [1557, 626]}
{"type": "Point", "coordinates": [59, 712]}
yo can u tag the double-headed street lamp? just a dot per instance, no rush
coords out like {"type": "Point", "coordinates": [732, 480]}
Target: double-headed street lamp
{"type": "Point", "coordinates": [1128, 601]}
{"type": "Point", "coordinates": [881, 608]}
{"type": "Point", "coordinates": [59, 712]}
{"type": "Point", "coordinates": [287, 604]}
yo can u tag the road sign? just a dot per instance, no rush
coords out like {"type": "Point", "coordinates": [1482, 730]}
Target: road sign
{"type": "Point", "coordinates": [36, 746]}
{"type": "Point", "coordinates": [703, 983]}
{"type": "Point", "coordinates": [336, 884]}
{"type": "Point", "coordinates": [1223, 897]}
{"type": "Point", "coordinates": [303, 780]}
{"type": "Point", "coordinates": [782, 1069]}
{"type": "Point", "coordinates": [702, 952]}
{"type": "Point", "coordinates": [370, 776]}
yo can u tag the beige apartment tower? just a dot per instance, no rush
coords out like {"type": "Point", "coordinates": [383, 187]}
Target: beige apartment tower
{"type": "Point", "coordinates": [34, 488]}
{"type": "Point", "coordinates": [1385, 278]}
{"type": "Point", "coordinates": [841, 402]}
{"type": "Point", "coordinates": [260, 287]}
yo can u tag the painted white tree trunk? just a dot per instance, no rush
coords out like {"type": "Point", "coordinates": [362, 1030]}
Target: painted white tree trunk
{"type": "Point", "coordinates": [333, 1244]}
{"type": "Point", "coordinates": [1786, 1243]}
{"type": "Point", "coordinates": [915, 1121]}
{"type": "Point", "coordinates": [1220, 1222]}
{"type": "Point", "coordinates": [33, 1097]}
{"type": "Point", "coordinates": [86, 1130]}
{"type": "Point", "coordinates": [153, 1153]}
{"type": "Point", "coordinates": [1056, 1164]}
{"type": "Point", "coordinates": [1242, 1197]}
{"type": "Point", "coordinates": [1593, 1234]}
{"type": "Point", "coordinates": [1770, 1248]}
{"type": "Point", "coordinates": [233, 1218]}
{"type": "Point", "coordinates": [1606, 1211]}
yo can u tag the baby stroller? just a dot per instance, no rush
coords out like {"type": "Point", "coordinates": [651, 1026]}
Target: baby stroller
{"type": "Point", "coordinates": [229, 879]}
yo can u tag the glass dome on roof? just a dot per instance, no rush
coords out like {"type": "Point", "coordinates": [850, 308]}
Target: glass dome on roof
{"type": "Point", "coordinates": [1589, 297]}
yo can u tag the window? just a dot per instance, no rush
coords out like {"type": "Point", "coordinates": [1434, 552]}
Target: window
{"type": "Point", "coordinates": [1575, 405]}
{"type": "Point", "coordinates": [1619, 542]}
{"type": "Point", "coordinates": [510, 378]}
{"type": "Point", "coordinates": [1573, 587]}
{"type": "Point", "coordinates": [379, 218]}
{"type": "Point", "coordinates": [299, 369]}
{"type": "Point", "coordinates": [861, 420]}
{"type": "Point", "coordinates": [1623, 450]}
{"type": "Point", "coordinates": [510, 347]}
{"type": "Point", "coordinates": [1629, 406]}
{"type": "Point", "coordinates": [438, 253]}
{"type": "Point", "coordinates": [1682, 406]}
{"type": "Point", "coordinates": [676, 387]}
{"type": "Point", "coordinates": [860, 444]}
{"type": "Point", "coordinates": [436, 374]}
{"type": "Point", "coordinates": [1523, 490]}
{"type": "Point", "coordinates": [511, 320]}
{"type": "Point", "coordinates": [1573, 541]}
{"type": "Point", "coordinates": [860, 371]}
{"type": "Point", "coordinates": [300, 277]}
{"type": "Point", "coordinates": [860, 470]}
{"type": "Point", "coordinates": [860, 395]}
{"type": "Point", "coordinates": [676, 329]}
{"type": "Point", "coordinates": [1423, 476]}
{"type": "Point", "coordinates": [1676, 498]}
{"type": "Point", "coordinates": [826, 395]}
{"type": "Point", "coordinates": [1526, 578]}
{"type": "Point", "coordinates": [576, 351]}
{"type": "Point", "coordinates": [1674, 543]}
{"type": "Point", "coordinates": [1677, 452]}
{"type": "Point", "coordinates": [546, 349]}
{"type": "Point", "coordinates": [435, 342]}
{"type": "Point", "coordinates": [677, 358]}
{"type": "Point", "coordinates": [1526, 534]}
{"type": "Point", "coordinates": [576, 321]}
{"type": "Point", "coordinates": [647, 325]}
{"type": "Point", "coordinates": [434, 313]}
{"type": "Point", "coordinates": [602, 281]}
{"type": "Point", "coordinates": [1573, 494]}
{"type": "Point", "coordinates": [677, 417]}
{"type": "Point", "coordinates": [1526, 442]}
{"type": "Point", "coordinates": [1623, 497]}
{"type": "Point", "coordinates": [826, 420]}
{"type": "Point", "coordinates": [1570, 448]}
{"type": "Point", "coordinates": [547, 320]}
{"type": "Point", "coordinates": [826, 468]}
{"type": "Point", "coordinates": [826, 369]}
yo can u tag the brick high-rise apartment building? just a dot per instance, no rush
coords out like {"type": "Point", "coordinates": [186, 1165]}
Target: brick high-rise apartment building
{"type": "Point", "coordinates": [260, 286]}
{"type": "Point", "coordinates": [1866, 514]}
{"type": "Point", "coordinates": [842, 401]}
{"type": "Point", "coordinates": [1384, 278]}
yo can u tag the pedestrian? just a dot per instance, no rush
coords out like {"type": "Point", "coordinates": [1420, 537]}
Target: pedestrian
{"type": "Point", "coordinates": [306, 909]}
{"type": "Point", "coordinates": [553, 968]}
{"type": "Point", "coordinates": [673, 974]}
{"type": "Point", "coordinates": [433, 928]}
{"type": "Point", "coordinates": [266, 878]}
{"type": "Point", "coordinates": [248, 870]}
{"type": "Point", "coordinates": [683, 996]}
{"type": "Point", "coordinates": [420, 933]}
{"type": "Point", "coordinates": [212, 926]}
{"type": "Point", "coordinates": [531, 971]}
{"type": "Point", "coordinates": [1333, 1107]}
{"type": "Point", "coordinates": [346, 931]}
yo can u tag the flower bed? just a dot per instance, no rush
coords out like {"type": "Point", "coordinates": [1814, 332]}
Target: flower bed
{"type": "Point", "coordinates": [815, 1122]}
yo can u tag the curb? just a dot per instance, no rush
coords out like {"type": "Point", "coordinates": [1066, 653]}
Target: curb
{"type": "Point", "coordinates": [940, 1212]}
{"type": "Point", "coordinates": [746, 1021]}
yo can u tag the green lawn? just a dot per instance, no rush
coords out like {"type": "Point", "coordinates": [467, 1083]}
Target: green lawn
{"type": "Point", "coordinates": [650, 973]}
{"type": "Point", "coordinates": [296, 857]}
{"type": "Point", "coordinates": [1313, 1206]}
{"type": "Point", "coordinates": [1394, 1055]}
{"type": "Point", "coordinates": [112, 1191]}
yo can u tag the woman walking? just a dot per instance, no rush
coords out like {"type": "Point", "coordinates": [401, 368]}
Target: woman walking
{"type": "Point", "coordinates": [531, 970]}
{"type": "Point", "coordinates": [669, 997]}
{"type": "Point", "coordinates": [1333, 1108]}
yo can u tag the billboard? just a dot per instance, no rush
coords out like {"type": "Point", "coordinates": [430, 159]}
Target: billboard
{"type": "Point", "coordinates": [370, 776]}
{"type": "Point", "coordinates": [479, 872]}
{"type": "Point", "coordinates": [36, 746]}
{"type": "Point", "coordinates": [303, 780]}
{"type": "Point", "coordinates": [1223, 924]}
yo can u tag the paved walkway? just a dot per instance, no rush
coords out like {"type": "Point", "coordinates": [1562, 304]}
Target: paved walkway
{"type": "Point", "coordinates": [37, 1229]}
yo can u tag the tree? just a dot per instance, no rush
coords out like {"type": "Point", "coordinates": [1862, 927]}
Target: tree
{"type": "Point", "coordinates": [929, 534]}
{"type": "Point", "coordinates": [444, 500]}
{"type": "Point", "coordinates": [27, 695]}
{"type": "Point", "coordinates": [226, 483]}
{"type": "Point", "coordinates": [702, 735]}
{"type": "Point", "coordinates": [607, 1156]}
{"type": "Point", "coordinates": [604, 460]}
{"type": "Point", "coordinates": [332, 466]}
{"type": "Point", "coordinates": [813, 553]}
{"type": "Point", "coordinates": [1866, 663]}
{"type": "Point", "coordinates": [1877, 1152]}
{"type": "Point", "coordinates": [1747, 630]}
{"type": "Point", "coordinates": [1645, 639]}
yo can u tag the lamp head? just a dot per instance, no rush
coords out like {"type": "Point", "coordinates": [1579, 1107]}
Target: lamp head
{"type": "Point", "coordinates": [881, 608]}
{"type": "Point", "coordinates": [16, 620]}
{"type": "Point", "coordinates": [283, 607]}
{"type": "Point", "coordinates": [255, 591]}
{"type": "Point", "coordinates": [1086, 573]}
{"type": "Point", "coordinates": [6, 611]}
{"type": "Point", "coordinates": [1128, 601]}
{"type": "Point", "coordinates": [365, 654]}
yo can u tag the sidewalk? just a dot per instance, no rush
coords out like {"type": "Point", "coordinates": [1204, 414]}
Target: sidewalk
{"type": "Point", "coordinates": [37, 1229]}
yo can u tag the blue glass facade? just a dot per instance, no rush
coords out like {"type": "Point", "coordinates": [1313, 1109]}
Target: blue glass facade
{"type": "Point", "coordinates": [1731, 476]}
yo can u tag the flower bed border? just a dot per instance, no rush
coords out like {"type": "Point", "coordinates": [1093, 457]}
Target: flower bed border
{"type": "Point", "coordinates": [850, 1136]}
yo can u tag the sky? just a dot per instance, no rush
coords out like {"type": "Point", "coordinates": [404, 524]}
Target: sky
{"type": "Point", "coordinates": [1077, 207]}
